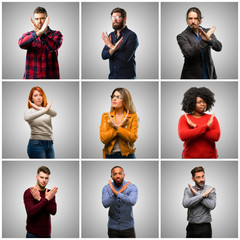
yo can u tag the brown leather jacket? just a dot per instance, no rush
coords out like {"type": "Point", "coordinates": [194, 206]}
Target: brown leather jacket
{"type": "Point", "coordinates": [127, 134]}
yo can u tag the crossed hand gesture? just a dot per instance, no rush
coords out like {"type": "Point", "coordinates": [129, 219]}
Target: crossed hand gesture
{"type": "Point", "coordinates": [193, 125]}
{"type": "Point", "coordinates": [43, 29]}
{"type": "Point", "coordinates": [124, 187]}
{"type": "Point", "coordinates": [207, 36]}
{"type": "Point", "coordinates": [203, 194]}
{"type": "Point", "coordinates": [108, 42]}
{"type": "Point", "coordinates": [116, 126]}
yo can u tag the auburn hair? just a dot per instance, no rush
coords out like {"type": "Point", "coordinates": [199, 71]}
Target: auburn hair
{"type": "Point", "coordinates": [44, 98]}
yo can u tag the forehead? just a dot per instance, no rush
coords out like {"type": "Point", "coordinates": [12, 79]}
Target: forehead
{"type": "Point", "coordinates": [199, 174]}
{"type": "Point", "coordinates": [117, 170]}
{"type": "Point", "coordinates": [39, 15]}
{"type": "Point", "coordinates": [200, 99]}
{"type": "Point", "coordinates": [192, 15]}
{"type": "Point", "coordinates": [117, 93]}
{"type": "Point", "coordinates": [116, 14]}
{"type": "Point", "coordinates": [36, 92]}
{"type": "Point", "coordinates": [42, 174]}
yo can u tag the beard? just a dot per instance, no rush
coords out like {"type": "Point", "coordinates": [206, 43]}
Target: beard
{"type": "Point", "coordinates": [118, 184]}
{"type": "Point", "coordinates": [118, 26]}
{"type": "Point", "coordinates": [200, 184]}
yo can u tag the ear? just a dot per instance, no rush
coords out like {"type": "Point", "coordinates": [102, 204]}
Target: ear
{"type": "Point", "coordinates": [111, 177]}
{"type": "Point", "coordinates": [125, 19]}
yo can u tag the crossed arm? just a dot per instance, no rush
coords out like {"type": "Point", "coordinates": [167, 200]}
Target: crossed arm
{"type": "Point", "coordinates": [125, 52]}
{"type": "Point", "coordinates": [188, 130]}
{"type": "Point", "coordinates": [208, 38]}
{"type": "Point", "coordinates": [48, 202]}
{"type": "Point", "coordinates": [52, 42]}
{"type": "Point", "coordinates": [110, 130]}
{"type": "Point", "coordinates": [110, 195]}
{"type": "Point", "coordinates": [191, 198]}
{"type": "Point", "coordinates": [30, 116]}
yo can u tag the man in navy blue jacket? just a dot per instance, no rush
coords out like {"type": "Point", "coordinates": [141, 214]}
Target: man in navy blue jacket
{"type": "Point", "coordinates": [120, 47]}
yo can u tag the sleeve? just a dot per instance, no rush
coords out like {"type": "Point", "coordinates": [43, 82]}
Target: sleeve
{"type": "Point", "coordinates": [29, 116]}
{"type": "Point", "coordinates": [190, 200]}
{"type": "Point", "coordinates": [188, 50]}
{"type": "Point", "coordinates": [216, 45]}
{"type": "Point", "coordinates": [213, 133]}
{"type": "Point", "coordinates": [27, 40]}
{"type": "Point", "coordinates": [51, 112]}
{"type": "Point", "coordinates": [108, 198]}
{"type": "Point", "coordinates": [185, 132]}
{"type": "Point", "coordinates": [53, 41]}
{"type": "Point", "coordinates": [129, 135]}
{"type": "Point", "coordinates": [107, 133]}
{"type": "Point", "coordinates": [105, 52]}
{"type": "Point", "coordinates": [125, 53]}
{"type": "Point", "coordinates": [33, 209]}
{"type": "Point", "coordinates": [131, 197]}
{"type": "Point", "coordinates": [210, 201]}
{"type": "Point", "coordinates": [52, 206]}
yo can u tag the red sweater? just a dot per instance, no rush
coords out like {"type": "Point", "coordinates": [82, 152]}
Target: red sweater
{"type": "Point", "coordinates": [199, 142]}
{"type": "Point", "coordinates": [38, 213]}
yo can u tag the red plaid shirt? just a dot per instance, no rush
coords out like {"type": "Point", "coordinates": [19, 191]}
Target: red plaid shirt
{"type": "Point", "coordinates": [42, 53]}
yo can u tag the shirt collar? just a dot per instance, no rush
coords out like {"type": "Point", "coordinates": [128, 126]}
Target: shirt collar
{"type": "Point", "coordinates": [199, 188]}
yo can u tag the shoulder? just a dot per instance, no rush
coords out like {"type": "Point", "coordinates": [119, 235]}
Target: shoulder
{"type": "Point", "coordinates": [27, 192]}
{"type": "Point", "coordinates": [132, 115]}
{"type": "Point", "coordinates": [183, 33]}
{"type": "Point", "coordinates": [133, 187]}
{"type": "Point", "coordinates": [183, 118]}
{"type": "Point", "coordinates": [105, 188]}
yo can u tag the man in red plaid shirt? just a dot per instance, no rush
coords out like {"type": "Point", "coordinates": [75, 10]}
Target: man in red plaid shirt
{"type": "Point", "coordinates": [42, 48]}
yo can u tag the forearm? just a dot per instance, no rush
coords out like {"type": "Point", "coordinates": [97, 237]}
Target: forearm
{"type": "Point", "coordinates": [29, 116]}
{"type": "Point", "coordinates": [27, 39]}
{"type": "Point", "coordinates": [33, 209]}
{"type": "Point", "coordinates": [51, 112]}
{"type": "Point", "coordinates": [190, 200]}
{"type": "Point", "coordinates": [128, 135]}
{"type": "Point", "coordinates": [108, 198]}
{"type": "Point", "coordinates": [129, 199]}
{"type": "Point", "coordinates": [54, 41]}
{"type": "Point", "coordinates": [52, 206]}
{"type": "Point", "coordinates": [216, 45]}
{"type": "Point", "coordinates": [187, 133]}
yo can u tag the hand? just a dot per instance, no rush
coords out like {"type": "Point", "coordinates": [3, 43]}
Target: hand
{"type": "Point", "coordinates": [207, 36]}
{"type": "Point", "coordinates": [207, 192]}
{"type": "Point", "coordinates": [190, 123]}
{"type": "Point", "coordinates": [107, 39]}
{"type": "Point", "coordinates": [210, 121]}
{"type": "Point", "coordinates": [50, 194]}
{"type": "Point", "coordinates": [34, 105]}
{"type": "Point", "coordinates": [48, 105]}
{"type": "Point", "coordinates": [35, 193]}
{"type": "Point", "coordinates": [112, 188]}
{"type": "Point", "coordinates": [44, 28]}
{"type": "Point", "coordinates": [192, 189]}
{"type": "Point", "coordinates": [35, 28]}
{"type": "Point", "coordinates": [124, 187]}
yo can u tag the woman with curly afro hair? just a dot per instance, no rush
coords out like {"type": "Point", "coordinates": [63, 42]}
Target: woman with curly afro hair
{"type": "Point", "coordinates": [198, 130]}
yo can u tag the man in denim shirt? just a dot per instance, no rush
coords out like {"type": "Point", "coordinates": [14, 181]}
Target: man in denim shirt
{"type": "Point", "coordinates": [120, 47]}
{"type": "Point", "coordinates": [200, 200]}
{"type": "Point", "coordinates": [120, 196]}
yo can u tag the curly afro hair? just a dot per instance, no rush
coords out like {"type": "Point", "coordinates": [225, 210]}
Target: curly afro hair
{"type": "Point", "coordinates": [190, 96]}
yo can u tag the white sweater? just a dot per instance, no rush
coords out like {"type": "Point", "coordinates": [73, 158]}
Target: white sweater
{"type": "Point", "coordinates": [40, 123]}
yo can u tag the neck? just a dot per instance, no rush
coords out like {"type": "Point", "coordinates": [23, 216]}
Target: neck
{"type": "Point", "coordinates": [197, 114]}
{"type": "Point", "coordinates": [119, 30]}
{"type": "Point", "coordinates": [119, 111]}
{"type": "Point", "coordinates": [39, 188]}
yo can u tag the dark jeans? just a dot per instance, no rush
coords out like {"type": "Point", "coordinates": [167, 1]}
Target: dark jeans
{"type": "Point", "coordinates": [202, 230]}
{"type": "Point", "coordinates": [30, 235]}
{"type": "Point", "coordinates": [40, 149]}
{"type": "Point", "coordinates": [128, 233]}
{"type": "Point", "coordinates": [119, 155]}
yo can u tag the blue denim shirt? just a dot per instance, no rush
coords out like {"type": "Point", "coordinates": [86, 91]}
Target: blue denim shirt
{"type": "Point", "coordinates": [204, 63]}
{"type": "Point", "coordinates": [122, 63]}
{"type": "Point", "coordinates": [120, 211]}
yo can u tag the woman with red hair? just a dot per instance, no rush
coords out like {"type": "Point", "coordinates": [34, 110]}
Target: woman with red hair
{"type": "Point", "coordinates": [39, 115]}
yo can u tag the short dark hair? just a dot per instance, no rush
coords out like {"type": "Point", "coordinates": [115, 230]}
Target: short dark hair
{"type": "Point", "coordinates": [116, 167]}
{"type": "Point", "coordinates": [119, 10]}
{"type": "Point", "coordinates": [196, 10]}
{"type": "Point", "coordinates": [43, 169]}
{"type": "Point", "coordinates": [197, 169]}
{"type": "Point", "coordinates": [40, 10]}
{"type": "Point", "coordinates": [190, 96]}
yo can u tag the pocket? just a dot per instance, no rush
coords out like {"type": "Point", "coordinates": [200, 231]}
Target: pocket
{"type": "Point", "coordinates": [34, 142]}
